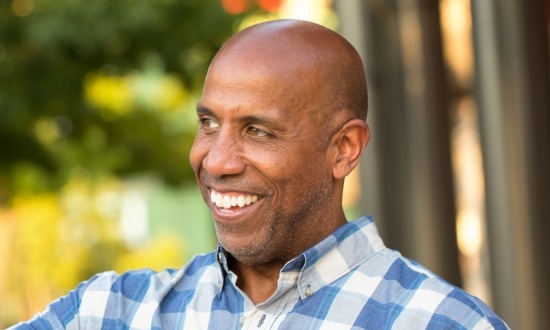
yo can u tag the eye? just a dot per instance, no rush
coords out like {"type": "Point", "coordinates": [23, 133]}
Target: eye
{"type": "Point", "coordinates": [208, 123]}
{"type": "Point", "coordinates": [254, 131]}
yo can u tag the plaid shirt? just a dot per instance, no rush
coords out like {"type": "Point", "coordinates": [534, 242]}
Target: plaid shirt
{"type": "Point", "coordinates": [350, 280]}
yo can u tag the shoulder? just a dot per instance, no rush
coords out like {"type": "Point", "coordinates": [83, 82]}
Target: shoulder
{"type": "Point", "coordinates": [143, 284]}
{"type": "Point", "coordinates": [405, 291]}
{"type": "Point", "coordinates": [111, 297]}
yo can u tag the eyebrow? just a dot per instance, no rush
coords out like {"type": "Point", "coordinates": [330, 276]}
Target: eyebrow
{"type": "Point", "coordinates": [252, 119]}
{"type": "Point", "coordinates": [202, 110]}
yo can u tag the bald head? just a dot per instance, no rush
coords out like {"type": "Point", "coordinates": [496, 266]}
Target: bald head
{"type": "Point", "coordinates": [312, 66]}
{"type": "Point", "coordinates": [282, 118]}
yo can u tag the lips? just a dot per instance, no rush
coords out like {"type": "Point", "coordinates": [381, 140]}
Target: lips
{"type": "Point", "coordinates": [229, 200]}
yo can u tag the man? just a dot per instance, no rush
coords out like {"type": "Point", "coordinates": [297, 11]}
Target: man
{"type": "Point", "coordinates": [282, 123]}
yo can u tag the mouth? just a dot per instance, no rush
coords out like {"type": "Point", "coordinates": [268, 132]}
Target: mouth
{"type": "Point", "coordinates": [232, 200]}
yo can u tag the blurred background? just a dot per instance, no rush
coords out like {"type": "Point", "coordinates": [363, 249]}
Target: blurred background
{"type": "Point", "coordinates": [97, 117]}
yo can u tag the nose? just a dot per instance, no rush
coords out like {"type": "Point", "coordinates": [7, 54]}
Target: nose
{"type": "Point", "coordinates": [224, 156]}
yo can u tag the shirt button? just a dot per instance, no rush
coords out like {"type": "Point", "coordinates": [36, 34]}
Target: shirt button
{"type": "Point", "coordinates": [308, 292]}
{"type": "Point", "coordinates": [261, 321]}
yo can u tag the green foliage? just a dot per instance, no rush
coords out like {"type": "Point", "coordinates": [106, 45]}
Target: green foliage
{"type": "Point", "coordinates": [48, 52]}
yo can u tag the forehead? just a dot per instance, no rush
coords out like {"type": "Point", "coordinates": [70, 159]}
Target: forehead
{"type": "Point", "coordinates": [253, 89]}
{"type": "Point", "coordinates": [268, 75]}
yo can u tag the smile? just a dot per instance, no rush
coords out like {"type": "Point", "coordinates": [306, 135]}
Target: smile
{"type": "Point", "coordinates": [227, 201]}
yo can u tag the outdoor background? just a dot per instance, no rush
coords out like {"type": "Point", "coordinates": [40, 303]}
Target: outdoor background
{"type": "Point", "coordinates": [97, 117]}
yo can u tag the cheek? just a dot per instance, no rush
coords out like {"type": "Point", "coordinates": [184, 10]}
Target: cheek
{"type": "Point", "coordinates": [296, 175]}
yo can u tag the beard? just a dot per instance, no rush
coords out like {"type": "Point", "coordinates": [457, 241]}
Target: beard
{"type": "Point", "coordinates": [285, 232]}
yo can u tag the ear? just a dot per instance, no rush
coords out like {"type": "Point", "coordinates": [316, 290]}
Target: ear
{"type": "Point", "coordinates": [350, 140]}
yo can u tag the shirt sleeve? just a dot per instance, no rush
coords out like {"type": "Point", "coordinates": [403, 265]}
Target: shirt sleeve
{"type": "Point", "coordinates": [60, 314]}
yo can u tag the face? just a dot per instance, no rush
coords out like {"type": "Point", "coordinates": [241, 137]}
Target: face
{"type": "Point", "coordinates": [261, 165]}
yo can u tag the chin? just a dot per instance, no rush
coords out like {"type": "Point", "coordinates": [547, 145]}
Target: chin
{"type": "Point", "coordinates": [248, 254]}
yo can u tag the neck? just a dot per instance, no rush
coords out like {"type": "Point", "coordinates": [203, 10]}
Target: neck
{"type": "Point", "coordinates": [258, 282]}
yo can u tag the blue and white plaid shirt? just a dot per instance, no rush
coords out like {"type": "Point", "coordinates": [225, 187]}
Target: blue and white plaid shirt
{"type": "Point", "coordinates": [350, 280]}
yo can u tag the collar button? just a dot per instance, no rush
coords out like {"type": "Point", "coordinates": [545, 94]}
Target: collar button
{"type": "Point", "coordinates": [308, 292]}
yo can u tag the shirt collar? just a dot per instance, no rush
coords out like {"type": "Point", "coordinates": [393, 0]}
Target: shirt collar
{"type": "Point", "coordinates": [223, 269]}
{"type": "Point", "coordinates": [336, 255]}
{"type": "Point", "coordinates": [330, 259]}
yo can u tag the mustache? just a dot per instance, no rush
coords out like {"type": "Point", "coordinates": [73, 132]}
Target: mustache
{"type": "Point", "coordinates": [233, 182]}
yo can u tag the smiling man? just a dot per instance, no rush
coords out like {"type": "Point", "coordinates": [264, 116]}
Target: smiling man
{"type": "Point", "coordinates": [275, 143]}
{"type": "Point", "coordinates": [282, 123]}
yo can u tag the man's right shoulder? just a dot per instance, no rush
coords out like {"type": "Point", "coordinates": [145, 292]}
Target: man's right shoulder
{"type": "Point", "coordinates": [145, 285]}
{"type": "Point", "coordinates": [113, 296]}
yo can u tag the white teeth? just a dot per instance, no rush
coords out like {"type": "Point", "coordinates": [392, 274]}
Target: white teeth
{"type": "Point", "coordinates": [227, 201]}
{"type": "Point", "coordinates": [213, 197]}
{"type": "Point", "coordinates": [219, 201]}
